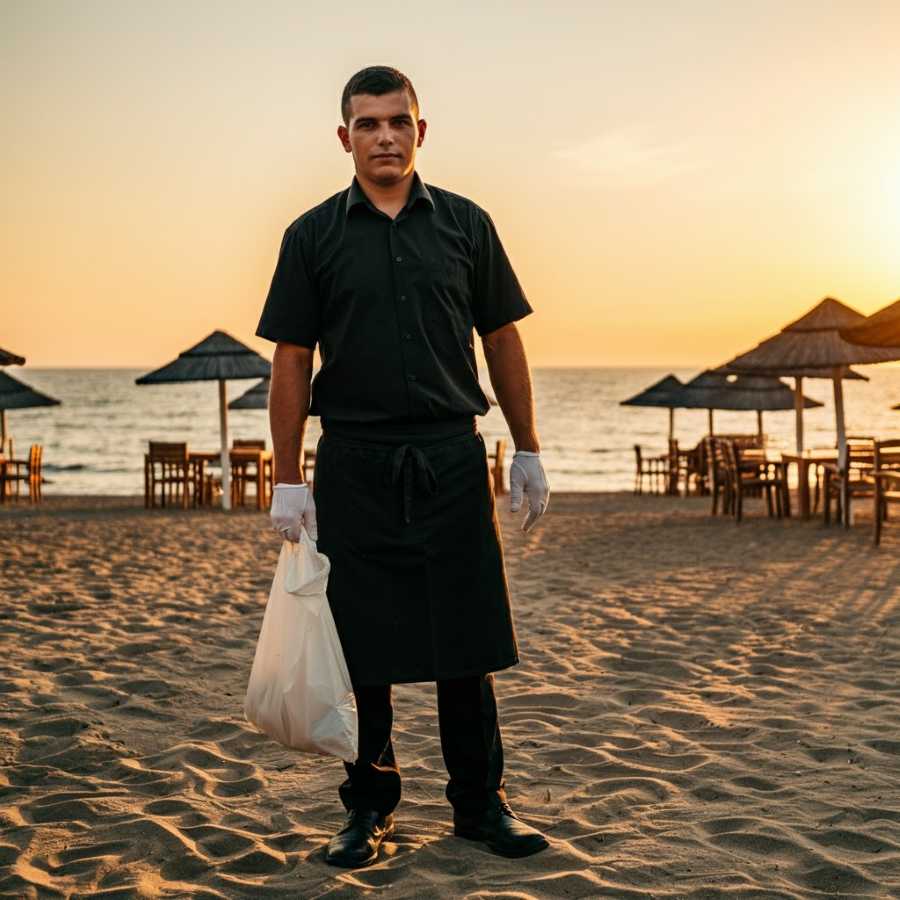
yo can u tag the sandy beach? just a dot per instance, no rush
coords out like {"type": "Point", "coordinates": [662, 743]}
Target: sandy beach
{"type": "Point", "coordinates": [702, 710]}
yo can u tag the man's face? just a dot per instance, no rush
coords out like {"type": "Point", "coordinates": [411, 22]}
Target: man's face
{"type": "Point", "coordinates": [383, 135]}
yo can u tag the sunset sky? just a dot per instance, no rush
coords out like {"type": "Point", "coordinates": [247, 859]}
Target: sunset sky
{"type": "Point", "coordinates": [673, 182]}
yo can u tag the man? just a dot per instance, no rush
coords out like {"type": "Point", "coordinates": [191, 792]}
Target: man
{"type": "Point", "coordinates": [389, 278]}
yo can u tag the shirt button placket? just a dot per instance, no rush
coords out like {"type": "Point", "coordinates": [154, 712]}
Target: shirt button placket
{"type": "Point", "coordinates": [405, 335]}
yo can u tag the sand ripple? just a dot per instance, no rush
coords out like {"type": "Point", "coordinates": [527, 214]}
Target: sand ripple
{"type": "Point", "coordinates": [701, 711]}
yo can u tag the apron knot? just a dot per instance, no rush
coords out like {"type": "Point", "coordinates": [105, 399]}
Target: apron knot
{"type": "Point", "coordinates": [410, 466]}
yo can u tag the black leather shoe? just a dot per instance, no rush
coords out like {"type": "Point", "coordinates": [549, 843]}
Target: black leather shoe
{"type": "Point", "coordinates": [357, 843]}
{"type": "Point", "coordinates": [501, 830]}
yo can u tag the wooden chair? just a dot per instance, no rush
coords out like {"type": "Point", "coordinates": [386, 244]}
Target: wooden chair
{"type": "Point", "coordinates": [856, 483]}
{"type": "Point", "coordinates": [719, 478]}
{"type": "Point", "coordinates": [678, 468]}
{"type": "Point", "coordinates": [168, 470]}
{"type": "Point", "coordinates": [245, 471]}
{"type": "Point", "coordinates": [654, 468]}
{"type": "Point", "coordinates": [886, 484]}
{"type": "Point", "coordinates": [27, 471]}
{"type": "Point", "coordinates": [498, 460]}
{"type": "Point", "coordinates": [308, 465]}
{"type": "Point", "coordinates": [769, 478]}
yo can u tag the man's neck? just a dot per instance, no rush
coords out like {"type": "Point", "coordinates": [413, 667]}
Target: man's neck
{"type": "Point", "coordinates": [389, 198]}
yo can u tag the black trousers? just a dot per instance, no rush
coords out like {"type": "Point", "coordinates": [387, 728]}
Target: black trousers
{"type": "Point", "coordinates": [470, 741]}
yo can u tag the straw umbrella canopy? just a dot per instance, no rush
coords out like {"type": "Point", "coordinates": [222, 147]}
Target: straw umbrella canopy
{"type": "Point", "coordinates": [10, 359]}
{"type": "Point", "coordinates": [881, 329]}
{"type": "Point", "coordinates": [256, 397]}
{"type": "Point", "coordinates": [812, 347]}
{"type": "Point", "coordinates": [663, 394]}
{"type": "Point", "coordinates": [15, 394]}
{"type": "Point", "coordinates": [715, 389]}
{"type": "Point", "coordinates": [218, 357]}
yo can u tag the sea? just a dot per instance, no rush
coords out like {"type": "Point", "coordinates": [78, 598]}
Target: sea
{"type": "Point", "coordinates": [94, 442]}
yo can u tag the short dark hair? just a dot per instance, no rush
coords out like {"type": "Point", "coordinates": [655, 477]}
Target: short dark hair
{"type": "Point", "coordinates": [376, 80]}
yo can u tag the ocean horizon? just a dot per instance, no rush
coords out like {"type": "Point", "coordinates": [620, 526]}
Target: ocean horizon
{"type": "Point", "coordinates": [95, 440]}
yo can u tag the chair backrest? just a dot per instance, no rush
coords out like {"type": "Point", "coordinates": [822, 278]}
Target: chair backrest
{"type": "Point", "coordinates": [729, 454]}
{"type": "Point", "coordinates": [34, 459]}
{"type": "Point", "coordinates": [879, 446]}
{"type": "Point", "coordinates": [163, 451]}
{"type": "Point", "coordinates": [637, 453]}
{"type": "Point", "coordinates": [251, 444]}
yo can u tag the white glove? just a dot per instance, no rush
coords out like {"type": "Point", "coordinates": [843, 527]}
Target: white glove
{"type": "Point", "coordinates": [293, 504]}
{"type": "Point", "coordinates": [527, 474]}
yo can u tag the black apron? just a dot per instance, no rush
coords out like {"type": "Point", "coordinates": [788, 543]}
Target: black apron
{"type": "Point", "coordinates": [417, 586]}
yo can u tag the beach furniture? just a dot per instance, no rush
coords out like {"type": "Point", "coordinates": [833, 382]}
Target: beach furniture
{"type": "Point", "coordinates": [886, 482]}
{"type": "Point", "coordinates": [251, 464]}
{"type": "Point", "coordinates": [816, 346]}
{"type": "Point", "coordinates": [663, 394]}
{"type": "Point", "coordinates": [748, 471]}
{"type": "Point", "coordinates": [15, 394]}
{"type": "Point", "coordinates": [218, 357]}
{"type": "Point", "coordinates": [718, 479]}
{"type": "Point", "coordinates": [496, 461]}
{"type": "Point", "coordinates": [16, 472]}
{"type": "Point", "coordinates": [843, 484]}
{"type": "Point", "coordinates": [654, 468]}
{"type": "Point", "coordinates": [170, 473]}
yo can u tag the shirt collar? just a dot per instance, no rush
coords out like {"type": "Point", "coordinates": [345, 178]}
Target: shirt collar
{"type": "Point", "coordinates": [417, 192]}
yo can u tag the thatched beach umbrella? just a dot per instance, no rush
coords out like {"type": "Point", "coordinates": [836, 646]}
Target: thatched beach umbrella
{"type": "Point", "coordinates": [812, 347]}
{"type": "Point", "coordinates": [10, 359]}
{"type": "Point", "coordinates": [15, 394]}
{"type": "Point", "coordinates": [881, 329]}
{"type": "Point", "coordinates": [256, 397]}
{"type": "Point", "coordinates": [715, 389]}
{"type": "Point", "coordinates": [218, 357]}
{"type": "Point", "coordinates": [663, 394]}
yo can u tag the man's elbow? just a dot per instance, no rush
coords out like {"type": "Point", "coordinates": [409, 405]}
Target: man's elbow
{"type": "Point", "coordinates": [292, 356]}
{"type": "Point", "coordinates": [503, 336]}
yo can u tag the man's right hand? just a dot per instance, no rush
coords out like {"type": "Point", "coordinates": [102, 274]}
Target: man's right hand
{"type": "Point", "coordinates": [293, 505]}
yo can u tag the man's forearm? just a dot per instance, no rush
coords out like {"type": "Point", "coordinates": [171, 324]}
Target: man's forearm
{"type": "Point", "coordinates": [511, 380]}
{"type": "Point", "coordinates": [289, 408]}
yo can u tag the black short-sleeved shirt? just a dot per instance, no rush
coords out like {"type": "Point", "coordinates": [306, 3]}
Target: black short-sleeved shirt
{"type": "Point", "coordinates": [392, 303]}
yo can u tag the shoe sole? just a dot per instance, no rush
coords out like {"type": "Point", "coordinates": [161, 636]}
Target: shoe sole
{"type": "Point", "coordinates": [469, 836]}
{"type": "Point", "coordinates": [368, 861]}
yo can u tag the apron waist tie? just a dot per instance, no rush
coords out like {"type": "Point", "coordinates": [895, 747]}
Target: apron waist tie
{"type": "Point", "coordinates": [410, 465]}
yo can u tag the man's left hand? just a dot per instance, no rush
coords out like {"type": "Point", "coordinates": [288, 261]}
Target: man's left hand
{"type": "Point", "coordinates": [527, 476]}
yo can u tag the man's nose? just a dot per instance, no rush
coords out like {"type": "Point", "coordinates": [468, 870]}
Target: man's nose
{"type": "Point", "coordinates": [385, 136]}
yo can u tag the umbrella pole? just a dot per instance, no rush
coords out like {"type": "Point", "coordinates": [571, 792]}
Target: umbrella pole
{"type": "Point", "coordinates": [671, 423]}
{"type": "Point", "coordinates": [798, 411]}
{"type": "Point", "coordinates": [2, 431]}
{"type": "Point", "coordinates": [841, 440]}
{"type": "Point", "coordinates": [759, 425]}
{"type": "Point", "coordinates": [226, 460]}
{"type": "Point", "coordinates": [710, 414]}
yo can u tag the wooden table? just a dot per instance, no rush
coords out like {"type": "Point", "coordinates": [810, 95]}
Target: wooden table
{"type": "Point", "coordinates": [828, 456]}
{"type": "Point", "coordinates": [262, 458]}
{"type": "Point", "coordinates": [804, 461]}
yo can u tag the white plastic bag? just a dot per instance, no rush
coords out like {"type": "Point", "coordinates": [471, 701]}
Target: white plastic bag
{"type": "Point", "coordinates": [299, 691]}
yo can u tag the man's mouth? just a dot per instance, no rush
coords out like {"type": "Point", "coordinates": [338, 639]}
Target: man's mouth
{"type": "Point", "coordinates": [386, 156]}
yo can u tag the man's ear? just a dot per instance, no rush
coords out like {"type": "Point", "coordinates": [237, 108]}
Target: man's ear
{"type": "Point", "coordinates": [344, 137]}
{"type": "Point", "coordinates": [421, 125]}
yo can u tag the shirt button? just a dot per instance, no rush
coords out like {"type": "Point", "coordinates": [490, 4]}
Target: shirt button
{"type": "Point", "coordinates": [399, 259]}
{"type": "Point", "coordinates": [403, 296]}
{"type": "Point", "coordinates": [407, 336]}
